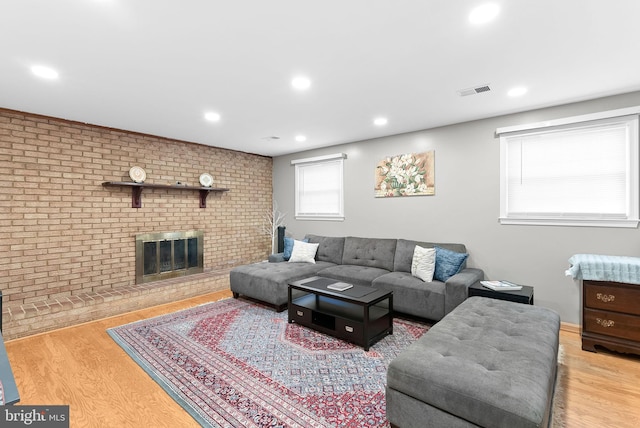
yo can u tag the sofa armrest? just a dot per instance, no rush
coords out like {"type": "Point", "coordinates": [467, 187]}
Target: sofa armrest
{"type": "Point", "coordinates": [276, 258]}
{"type": "Point", "coordinates": [456, 288]}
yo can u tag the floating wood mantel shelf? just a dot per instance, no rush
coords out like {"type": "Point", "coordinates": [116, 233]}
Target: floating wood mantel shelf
{"type": "Point", "coordinates": [136, 190]}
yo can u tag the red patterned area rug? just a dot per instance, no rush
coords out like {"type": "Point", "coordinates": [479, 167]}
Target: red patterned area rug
{"type": "Point", "coordinates": [235, 363]}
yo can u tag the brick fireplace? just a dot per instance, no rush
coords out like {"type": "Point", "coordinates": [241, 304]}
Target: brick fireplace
{"type": "Point", "coordinates": [68, 241]}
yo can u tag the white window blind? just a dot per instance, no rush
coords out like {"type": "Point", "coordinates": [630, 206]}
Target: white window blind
{"type": "Point", "coordinates": [319, 187]}
{"type": "Point", "coordinates": [575, 172]}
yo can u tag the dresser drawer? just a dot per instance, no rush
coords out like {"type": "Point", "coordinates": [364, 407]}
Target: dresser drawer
{"type": "Point", "coordinates": [619, 298]}
{"type": "Point", "coordinates": [612, 324]}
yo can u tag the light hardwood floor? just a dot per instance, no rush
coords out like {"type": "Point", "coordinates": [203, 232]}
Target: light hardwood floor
{"type": "Point", "coordinates": [83, 367]}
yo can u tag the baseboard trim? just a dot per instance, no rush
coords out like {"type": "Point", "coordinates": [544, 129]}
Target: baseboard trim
{"type": "Point", "coordinates": [570, 328]}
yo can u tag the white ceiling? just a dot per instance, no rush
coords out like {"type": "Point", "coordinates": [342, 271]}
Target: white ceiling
{"type": "Point", "coordinates": [156, 66]}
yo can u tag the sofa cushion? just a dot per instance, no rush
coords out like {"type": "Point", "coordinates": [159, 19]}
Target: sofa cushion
{"type": "Point", "coordinates": [303, 252]}
{"type": "Point", "coordinates": [269, 281]}
{"type": "Point", "coordinates": [413, 296]}
{"type": "Point", "coordinates": [353, 274]}
{"type": "Point", "coordinates": [424, 263]}
{"type": "Point", "coordinates": [370, 252]}
{"type": "Point", "coordinates": [330, 248]}
{"type": "Point", "coordinates": [288, 247]}
{"type": "Point", "coordinates": [404, 252]}
{"type": "Point", "coordinates": [448, 263]}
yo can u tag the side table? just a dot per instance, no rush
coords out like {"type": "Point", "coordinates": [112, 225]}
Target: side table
{"type": "Point", "coordinates": [525, 295]}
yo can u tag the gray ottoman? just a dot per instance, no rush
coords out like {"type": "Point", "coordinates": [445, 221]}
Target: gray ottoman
{"type": "Point", "coordinates": [488, 363]}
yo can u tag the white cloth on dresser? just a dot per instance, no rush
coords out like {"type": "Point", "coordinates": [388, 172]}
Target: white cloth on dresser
{"type": "Point", "coordinates": [605, 268]}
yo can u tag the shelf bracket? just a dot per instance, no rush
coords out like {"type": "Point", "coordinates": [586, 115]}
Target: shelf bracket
{"type": "Point", "coordinates": [203, 198]}
{"type": "Point", "coordinates": [136, 197]}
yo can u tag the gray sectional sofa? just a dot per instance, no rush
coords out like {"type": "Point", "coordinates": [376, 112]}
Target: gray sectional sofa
{"type": "Point", "coordinates": [381, 263]}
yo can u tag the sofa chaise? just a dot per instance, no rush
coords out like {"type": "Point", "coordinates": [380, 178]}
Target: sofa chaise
{"type": "Point", "coordinates": [380, 263]}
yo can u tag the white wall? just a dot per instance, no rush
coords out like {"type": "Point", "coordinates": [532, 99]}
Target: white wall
{"type": "Point", "coordinates": [465, 207]}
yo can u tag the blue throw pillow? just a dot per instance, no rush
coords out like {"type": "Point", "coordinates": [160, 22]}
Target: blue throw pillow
{"type": "Point", "coordinates": [448, 263]}
{"type": "Point", "coordinates": [288, 247]}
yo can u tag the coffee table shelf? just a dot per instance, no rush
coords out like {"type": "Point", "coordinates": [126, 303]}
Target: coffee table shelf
{"type": "Point", "coordinates": [361, 319]}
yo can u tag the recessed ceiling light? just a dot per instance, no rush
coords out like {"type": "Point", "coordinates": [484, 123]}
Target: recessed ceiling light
{"type": "Point", "coordinates": [301, 138]}
{"type": "Point", "coordinates": [301, 83]}
{"type": "Point", "coordinates": [212, 116]}
{"type": "Point", "coordinates": [44, 72]}
{"type": "Point", "coordinates": [484, 13]}
{"type": "Point", "coordinates": [516, 92]}
{"type": "Point", "coordinates": [380, 121]}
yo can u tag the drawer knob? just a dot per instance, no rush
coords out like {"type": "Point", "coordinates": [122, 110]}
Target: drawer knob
{"type": "Point", "coordinates": [605, 323]}
{"type": "Point", "coordinates": [300, 313]}
{"type": "Point", "coordinates": [348, 328]}
{"type": "Point", "coordinates": [606, 298]}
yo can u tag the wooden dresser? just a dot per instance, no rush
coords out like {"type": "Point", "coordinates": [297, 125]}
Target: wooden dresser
{"type": "Point", "coordinates": [611, 316]}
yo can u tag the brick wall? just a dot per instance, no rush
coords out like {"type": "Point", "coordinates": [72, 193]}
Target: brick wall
{"type": "Point", "coordinates": [67, 240]}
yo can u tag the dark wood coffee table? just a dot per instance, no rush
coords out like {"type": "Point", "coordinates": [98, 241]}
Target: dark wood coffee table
{"type": "Point", "coordinates": [361, 315]}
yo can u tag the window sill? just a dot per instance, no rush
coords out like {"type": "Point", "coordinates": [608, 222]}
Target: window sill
{"type": "Point", "coordinates": [321, 218]}
{"type": "Point", "coordinates": [625, 223]}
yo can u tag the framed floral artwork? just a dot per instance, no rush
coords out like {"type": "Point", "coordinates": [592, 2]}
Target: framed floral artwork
{"type": "Point", "coordinates": [411, 174]}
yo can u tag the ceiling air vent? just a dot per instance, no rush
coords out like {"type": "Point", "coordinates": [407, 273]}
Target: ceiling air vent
{"type": "Point", "coordinates": [472, 91]}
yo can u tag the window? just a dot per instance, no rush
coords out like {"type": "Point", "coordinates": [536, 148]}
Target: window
{"type": "Point", "coordinates": [579, 171]}
{"type": "Point", "coordinates": [319, 188]}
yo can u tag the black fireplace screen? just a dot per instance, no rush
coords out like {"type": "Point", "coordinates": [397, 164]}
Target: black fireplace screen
{"type": "Point", "coordinates": [167, 255]}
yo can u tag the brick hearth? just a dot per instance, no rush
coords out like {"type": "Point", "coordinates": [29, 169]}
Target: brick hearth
{"type": "Point", "coordinates": [45, 315]}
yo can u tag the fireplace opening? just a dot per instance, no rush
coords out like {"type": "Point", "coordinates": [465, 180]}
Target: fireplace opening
{"type": "Point", "coordinates": [167, 255]}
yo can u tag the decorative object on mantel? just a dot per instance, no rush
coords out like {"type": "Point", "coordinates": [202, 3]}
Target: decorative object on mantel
{"type": "Point", "coordinates": [136, 190]}
{"type": "Point", "coordinates": [410, 174]}
{"type": "Point", "coordinates": [137, 174]}
{"type": "Point", "coordinates": [206, 180]}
